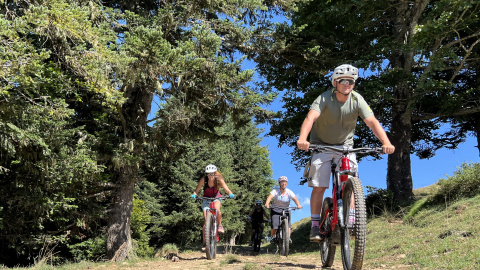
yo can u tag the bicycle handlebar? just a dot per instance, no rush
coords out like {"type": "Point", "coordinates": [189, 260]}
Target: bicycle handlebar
{"type": "Point", "coordinates": [259, 221]}
{"type": "Point", "coordinates": [284, 208]}
{"type": "Point", "coordinates": [212, 198]}
{"type": "Point", "coordinates": [344, 150]}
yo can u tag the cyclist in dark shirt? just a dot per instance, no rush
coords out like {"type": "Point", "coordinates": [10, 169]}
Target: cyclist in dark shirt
{"type": "Point", "coordinates": [256, 216]}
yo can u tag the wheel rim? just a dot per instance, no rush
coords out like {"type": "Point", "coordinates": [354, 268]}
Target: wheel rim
{"type": "Point", "coordinates": [212, 238]}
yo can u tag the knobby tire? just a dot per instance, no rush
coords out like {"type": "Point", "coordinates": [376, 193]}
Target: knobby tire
{"type": "Point", "coordinates": [210, 231]}
{"type": "Point", "coordinates": [353, 238]}
{"type": "Point", "coordinates": [279, 240]}
{"type": "Point", "coordinates": [257, 240]}
{"type": "Point", "coordinates": [327, 249]}
{"type": "Point", "coordinates": [286, 237]}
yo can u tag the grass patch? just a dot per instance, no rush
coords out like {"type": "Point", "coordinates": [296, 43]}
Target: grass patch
{"type": "Point", "coordinates": [439, 238]}
{"type": "Point", "coordinates": [230, 259]}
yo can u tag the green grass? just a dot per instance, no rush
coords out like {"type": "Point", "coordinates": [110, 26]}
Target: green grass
{"type": "Point", "coordinates": [440, 230]}
{"type": "Point", "coordinates": [437, 237]}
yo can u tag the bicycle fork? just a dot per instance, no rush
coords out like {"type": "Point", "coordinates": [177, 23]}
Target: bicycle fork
{"type": "Point", "coordinates": [214, 215]}
{"type": "Point", "coordinates": [341, 176]}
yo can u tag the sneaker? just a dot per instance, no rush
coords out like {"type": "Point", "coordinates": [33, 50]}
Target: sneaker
{"type": "Point", "coordinates": [273, 240]}
{"type": "Point", "coordinates": [220, 229]}
{"type": "Point", "coordinates": [351, 217]}
{"type": "Point", "coordinates": [204, 247]}
{"type": "Point", "coordinates": [315, 234]}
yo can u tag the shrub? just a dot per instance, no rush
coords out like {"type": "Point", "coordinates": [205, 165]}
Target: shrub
{"type": "Point", "coordinates": [91, 249]}
{"type": "Point", "coordinates": [168, 251]}
{"type": "Point", "coordinates": [140, 220]}
{"type": "Point", "coordinates": [465, 183]}
{"type": "Point", "coordinates": [379, 201]}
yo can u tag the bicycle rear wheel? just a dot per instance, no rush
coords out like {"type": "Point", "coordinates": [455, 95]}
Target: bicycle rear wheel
{"type": "Point", "coordinates": [210, 232]}
{"type": "Point", "coordinates": [286, 237]}
{"type": "Point", "coordinates": [327, 249]}
{"type": "Point", "coordinates": [353, 235]}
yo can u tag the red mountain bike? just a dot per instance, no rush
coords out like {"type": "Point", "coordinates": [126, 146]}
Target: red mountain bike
{"type": "Point", "coordinates": [336, 225]}
{"type": "Point", "coordinates": [211, 227]}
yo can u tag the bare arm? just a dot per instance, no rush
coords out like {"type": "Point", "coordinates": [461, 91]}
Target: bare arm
{"type": "Point", "coordinates": [267, 203]}
{"type": "Point", "coordinates": [224, 186]}
{"type": "Point", "coordinates": [379, 132]}
{"type": "Point", "coordinates": [199, 186]}
{"type": "Point", "coordinates": [297, 202]}
{"type": "Point", "coordinates": [265, 214]}
{"type": "Point", "coordinates": [302, 142]}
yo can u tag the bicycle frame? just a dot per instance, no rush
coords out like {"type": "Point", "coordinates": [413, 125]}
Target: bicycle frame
{"type": "Point", "coordinates": [347, 194]}
{"type": "Point", "coordinates": [214, 212]}
{"type": "Point", "coordinates": [281, 234]}
{"type": "Point", "coordinates": [285, 210]}
{"type": "Point", "coordinates": [339, 177]}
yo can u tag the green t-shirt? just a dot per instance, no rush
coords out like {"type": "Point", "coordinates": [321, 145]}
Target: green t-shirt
{"type": "Point", "coordinates": [337, 121]}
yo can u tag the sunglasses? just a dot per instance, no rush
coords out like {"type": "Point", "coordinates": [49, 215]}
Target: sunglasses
{"type": "Point", "coordinates": [211, 174]}
{"type": "Point", "coordinates": [346, 81]}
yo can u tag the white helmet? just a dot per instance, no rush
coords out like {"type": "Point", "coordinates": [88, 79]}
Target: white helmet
{"type": "Point", "coordinates": [210, 168]}
{"type": "Point", "coordinates": [345, 70]}
{"type": "Point", "coordinates": [282, 178]}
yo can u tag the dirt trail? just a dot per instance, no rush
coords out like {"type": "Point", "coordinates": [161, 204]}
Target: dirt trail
{"type": "Point", "coordinates": [239, 257]}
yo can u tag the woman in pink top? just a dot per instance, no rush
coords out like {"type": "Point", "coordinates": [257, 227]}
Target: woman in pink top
{"type": "Point", "coordinates": [211, 183]}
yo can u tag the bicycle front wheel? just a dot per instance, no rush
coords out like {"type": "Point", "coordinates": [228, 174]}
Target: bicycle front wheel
{"type": "Point", "coordinates": [257, 240]}
{"type": "Point", "coordinates": [210, 233]}
{"type": "Point", "coordinates": [286, 238]}
{"type": "Point", "coordinates": [354, 233]}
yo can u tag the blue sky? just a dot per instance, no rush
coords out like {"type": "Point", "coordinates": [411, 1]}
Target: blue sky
{"type": "Point", "coordinates": [372, 173]}
{"type": "Point", "coordinates": [425, 172]}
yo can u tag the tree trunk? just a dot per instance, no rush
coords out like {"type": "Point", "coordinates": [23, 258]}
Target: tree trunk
{"type": "Point", "coordinates": [232, 239]}
{"type": "Point", "coordinates": [399, 173]}
{"type": "Point", "coordinates": [399, 176]}
{"type": "Point", "coordinates": [119, 242]}
{"type": "Point", "coordinates": [134, 112]}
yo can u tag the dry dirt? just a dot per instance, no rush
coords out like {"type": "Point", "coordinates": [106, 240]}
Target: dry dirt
{"type": "Point", "coordinates": [236, 258]}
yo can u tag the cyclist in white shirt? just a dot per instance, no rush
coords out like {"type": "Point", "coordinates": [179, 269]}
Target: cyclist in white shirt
{"type": "Point", "coordinates": [281, 198]}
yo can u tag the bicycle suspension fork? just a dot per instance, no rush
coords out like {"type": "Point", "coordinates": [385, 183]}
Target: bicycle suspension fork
{"type": "Point", "coordinates": [340, 177]}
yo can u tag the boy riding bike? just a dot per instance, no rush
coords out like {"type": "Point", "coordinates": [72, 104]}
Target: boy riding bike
{"type": "Point", "coordinates": [331, 121]}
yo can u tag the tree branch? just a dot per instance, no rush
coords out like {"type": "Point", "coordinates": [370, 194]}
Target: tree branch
{"type": "Point", "coordinates": [429, 116]}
